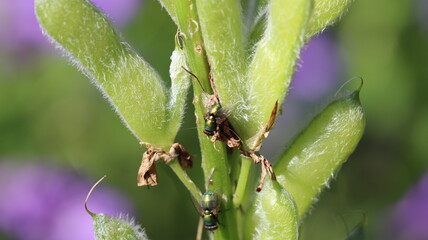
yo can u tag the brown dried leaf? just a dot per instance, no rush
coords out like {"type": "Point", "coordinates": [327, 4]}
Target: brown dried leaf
{"type": "Point", "coordinates": [147, 174]}
{"type": "Point", "coordinates": [265, 131]}
{"type": "Point", "coordinates": [225, 134]}
{"type": "Point", "coordinates": [272, 118]}
{"type": "Point", "coordinates": [183, 156]}
{"type": "Point", "coordinates": [265, 166]}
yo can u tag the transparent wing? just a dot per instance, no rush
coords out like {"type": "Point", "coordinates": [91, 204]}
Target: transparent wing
{"type": "Point", "coordinates": [197, 206]}
{"type": "Point", "coordinates": [224, 113]}
{"type": "Point", "coordinates": [206, 100]}
{"type": "Point", "coordinates": [215, 209]}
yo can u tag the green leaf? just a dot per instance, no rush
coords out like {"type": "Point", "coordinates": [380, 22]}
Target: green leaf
{"type": "Point", "coordinates": [111, 228]}
{"type": "Point", "coordinates": [325, 13]}
{"type": "Point", "coordinates": [313, 158]}
{"type": "Point", "coordinates": [273, 214]}
{"type": "Point", "coordinates": [134, 89]}
{"type": "Point", "coordinates": [274, 60]}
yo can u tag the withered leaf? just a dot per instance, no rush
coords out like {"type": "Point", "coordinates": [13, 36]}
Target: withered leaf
{"type": "Point", "coordinates": [183, 156]}
{"type": "Point", "coordinates": [147, 174]}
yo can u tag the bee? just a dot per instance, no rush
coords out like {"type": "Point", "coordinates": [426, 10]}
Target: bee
{"type": "Point", "coordinates": [216, 124]}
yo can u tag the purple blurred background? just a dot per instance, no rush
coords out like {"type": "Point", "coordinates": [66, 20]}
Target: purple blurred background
{"type": "Point", "coordinates": [407, 219]}
{"type": "Point", "coordinates": [20, 32]}
{"type": "Point", "coordinates": [39, 201]}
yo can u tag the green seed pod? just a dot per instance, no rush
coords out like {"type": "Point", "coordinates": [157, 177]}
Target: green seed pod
{"type": "Point", "coordinates": [273, 215]}
{"type": "Point", "coordinates": [307, 166]}
{"type": "Point", "coordinates": [271, 68]}
{"type": "Point", "coordinates": [134, 89]}
{"type": "Point", "coordinates": [325, 13]}
{"type": "Point", "coordinates": [111, 228]}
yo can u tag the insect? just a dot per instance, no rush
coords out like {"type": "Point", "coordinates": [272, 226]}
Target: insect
{"type": "Point", "coordinates": [209, 210]}
{"type": "Point", "coordinates": [216, 124]}
{"type": "Point", "coordinates": [208, 207]}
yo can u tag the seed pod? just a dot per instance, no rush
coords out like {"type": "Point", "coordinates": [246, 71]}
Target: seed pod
{"type": "Point", "coordinates": [122, 228]}
{"type": "Point", "coordinates": [273, 214]}
{"type": "Point", "coordinates": [134, 89]}
{"type": "Point", "coordinates": [307, 166]}
{"type": "Point", "coordinates": [112, 228]}
{"type": "Point", "coordinates": [325, 13]}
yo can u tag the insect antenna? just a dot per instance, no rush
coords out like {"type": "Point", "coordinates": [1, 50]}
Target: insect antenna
{"type": "Point", "coordinates": [193, 75]}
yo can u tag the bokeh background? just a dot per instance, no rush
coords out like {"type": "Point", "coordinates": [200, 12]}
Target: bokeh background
{"type": "Point", "coordinates": [58, 135]}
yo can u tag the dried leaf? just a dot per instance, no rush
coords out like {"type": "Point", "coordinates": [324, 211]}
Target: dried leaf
{"type": "Point", "coordinates": [265, 166]}
{"type": "Point", "coordinates": [225, 134]}
{"type": "Point", "coordinates": [265, 131]}
{"type": "Point", "coordinates": [177, 151]}
{"type": "Point", "coordinates": [147, 174]}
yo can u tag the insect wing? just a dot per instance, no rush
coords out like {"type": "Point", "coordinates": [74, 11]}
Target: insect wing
{"type": "Point", "coordinates": [222, 115]}
{"type": "Point", "coordinates": [197, 206]}
{"type": "Point", "coordinates": [206, 100]}
{"type": "Point", "coordinates": [211, 201]}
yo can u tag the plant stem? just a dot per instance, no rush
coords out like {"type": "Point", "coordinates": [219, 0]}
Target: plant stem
{"type": "Point", "coordinates": [246, 164]}
{"type": "Point", "coordinates": [213, 154]}
{"type": "Point", "coordinates": [182, 175]}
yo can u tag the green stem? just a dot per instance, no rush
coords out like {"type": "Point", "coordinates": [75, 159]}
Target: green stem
{"type": "Point", "coordinates": [246, 164]}
{"type": "Point", "coordinates": [213, 154]}
{"type": "Point", "coordinates": [185, 179]}
{"type": "Point", "coordinates": [235, 168]}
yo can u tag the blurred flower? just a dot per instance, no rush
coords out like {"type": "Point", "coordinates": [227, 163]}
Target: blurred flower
{"type": "Point", "coordinates": [19, 29]}
{"type": "Point", "coordinates": [42, 202]}
{"type": "Point", "coordinates": [409, 217]}
{"type": "Point", "coordinates": [120, 12]}
{"type": "Point", "coordinates": [319, 69]}
{"type": "Point", "coordinates": [422, 9]}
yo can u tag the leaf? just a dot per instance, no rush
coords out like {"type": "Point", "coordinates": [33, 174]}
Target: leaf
{"type": "Point", "coordinates": [273, 214]}
{"type": "Point", "coordinates": [314, 157]}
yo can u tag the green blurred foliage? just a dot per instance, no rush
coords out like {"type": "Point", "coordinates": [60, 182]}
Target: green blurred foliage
{"type": "Point", "coordinates": [51, 111]}
{"type": "Point", "coordinates": [383, 42]}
